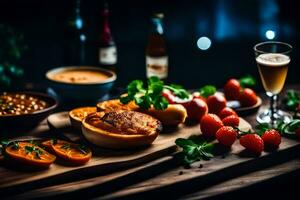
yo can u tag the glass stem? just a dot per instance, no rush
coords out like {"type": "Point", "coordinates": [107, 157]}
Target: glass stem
{"type": "Point", "coordinates": [272, 108]}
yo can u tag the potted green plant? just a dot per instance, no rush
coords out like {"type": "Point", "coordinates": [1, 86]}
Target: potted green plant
{"type": "Point", "coordinates": [11, 50]}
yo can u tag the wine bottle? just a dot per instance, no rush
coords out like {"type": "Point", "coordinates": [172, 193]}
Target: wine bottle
{"type": "Point", "coordinates": [107, 50]}
{"type": "Point", "coordinates": [156, 52]}
{"type": "Point", "coordinates": [75, 37]}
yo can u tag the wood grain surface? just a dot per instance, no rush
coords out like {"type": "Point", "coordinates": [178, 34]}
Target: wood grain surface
{"type": "Point", "coordinates": [166, 176]}
{"type": "Point", "coordinates": [171, 174]}
{"type": "Point", "coordinates": [102, 159]}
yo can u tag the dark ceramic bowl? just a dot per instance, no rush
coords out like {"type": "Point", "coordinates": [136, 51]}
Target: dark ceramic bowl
{"type": "Point", "coordinates": [80, 92]}
{"type": "Point", "coordinates": [30, 120]}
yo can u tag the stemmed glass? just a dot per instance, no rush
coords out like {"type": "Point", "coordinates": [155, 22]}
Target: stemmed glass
{"type": "Point", "coordinates": [273, 59]}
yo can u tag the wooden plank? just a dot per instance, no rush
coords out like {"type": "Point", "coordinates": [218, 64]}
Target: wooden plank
{"type": "Point", "coordinates": [172, 174]}
{"type": "Point", "coordinates": [103, 159]}
{"type": "Point", "coordinates": [247, 180]}
{"type": "Point", "coordinates": [180, 182]}
{"type": "Point", "coordinates": [61, 189]}
{"type": "Point", "coordinates": [212, 172]}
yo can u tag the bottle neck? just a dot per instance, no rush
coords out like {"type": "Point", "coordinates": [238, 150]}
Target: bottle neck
{"type": "Point", "coordinates": [106, 38]}
{"type": "Point", "coordinates": [105, 16]}
{"type": "Point", "coordinates": [157, 26]}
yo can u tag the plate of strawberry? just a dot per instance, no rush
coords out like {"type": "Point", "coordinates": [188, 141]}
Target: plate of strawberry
{"type": "Point", "coordinates": [237, 95]}
{"type": "Point", "coordinates": [240, 96]}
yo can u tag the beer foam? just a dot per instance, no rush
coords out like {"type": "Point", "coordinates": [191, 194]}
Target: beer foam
{"type": "Point", "coordinates": [273, 59]}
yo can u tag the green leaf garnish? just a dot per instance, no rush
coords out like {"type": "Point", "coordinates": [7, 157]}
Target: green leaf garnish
{"type": "Point", "coordinates": [134, 87]}
{"type": "Point", "coordinates": [289, 128]}
{"type": "Point", "coordinates": [5, 143]}
{"type": "Point", "coordinates": [54, 141]}
{"type": "Point", "coordinates": [261, 128]}
{"type": "Point", "coordinates": [283, 128]}
{"type": "Point", "coordinates": [291, 100]}
{"type": "Point", "coordinates": [83, 149]}
{"type": "Point", "coordinates": [178, 91]}
{"type": "Point", "coordinates": [151, 94]}
{"type": "Point", "coordinates": [207, 90]}
{"type": "Point", "coordinates": [65, 146]}
{"type": "Point", "coordinates": [247, 81]}
{"type": "Point", "coordinates": [193, 150]}
{"type": "Point", "coordinates": [15, 145]}
{"type": "Point", "coordinates": [144, 97]}
{"type": "Point", "coordinates": [160, 103]}
{"type": "Point", "coordinates": [33, 149]}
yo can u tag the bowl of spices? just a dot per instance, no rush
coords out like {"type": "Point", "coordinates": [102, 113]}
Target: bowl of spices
{"type": "Point", "coordinates": [22, 110]}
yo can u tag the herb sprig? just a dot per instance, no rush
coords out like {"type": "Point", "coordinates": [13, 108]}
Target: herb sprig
{"type": "Point", "coordinates": [178, 91]}
{"type": "Point", "coordinates": [287, 129]}
{"type": "Point", "coordinates": [66, 146]}
{"type": "Point", "coordinates": [292, 100]}
{"type": "Point", "coordinates": [83, 149]}
{"type": "Point", "coordinates": [6, 143]}
{"type": "Point", "coordinates": [34, 149]}
{"type": "Point", "coordinates": [290, 128]}
{"type": "Point", "coordinates": [151, 94]}
{"type": "Point", "coordinates": [194, 150]}
{"type": "Point", "coordinates": [54, 141]}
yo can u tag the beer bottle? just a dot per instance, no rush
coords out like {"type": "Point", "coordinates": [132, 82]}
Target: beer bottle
{"type": "Point", "coordinates": [107, 50]}
{"type": "Point", "coordinates": [156, 53]}
{"type": "Point", "coordinates": [75, 37]}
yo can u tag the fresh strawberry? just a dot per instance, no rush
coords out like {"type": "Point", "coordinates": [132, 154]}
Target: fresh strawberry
{"type": "Point", "coordinates": [271, 138]}
{"type": "Point", "coordinates": [248, 97]}
{"type": "Point", "coordinates": [216, 103]}
{"type": "Point", "coordinates": [252, 142]}
{"type": "Point", "coordinates": [226, 135]}
{"type": "Point", "coordinates": [196, 109]}
{"type": "Point", "coordinates": [298, 133]}
{"type": "Point", "coordinates": [231, 120]}
{"type": "Point", "coordinates": [210, 124]}
{"type": "Point", "coordinates": [232, 89]}
{"type": "Point", "coordinates": [225, 112]}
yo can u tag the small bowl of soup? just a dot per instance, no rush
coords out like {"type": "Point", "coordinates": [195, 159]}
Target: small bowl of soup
{"type": "Point", "coordinates": [80, 84]}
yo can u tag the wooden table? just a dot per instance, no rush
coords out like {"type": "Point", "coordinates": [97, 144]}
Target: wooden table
{"type": "Point", "coordinates": [166, 177]}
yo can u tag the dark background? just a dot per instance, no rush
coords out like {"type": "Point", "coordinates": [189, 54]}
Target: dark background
{"type": "Point", "coordinates": [234, 27]}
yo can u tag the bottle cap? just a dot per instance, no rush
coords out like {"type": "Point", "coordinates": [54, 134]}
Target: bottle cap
{"type": "Point", "coordinates": [158, 15]}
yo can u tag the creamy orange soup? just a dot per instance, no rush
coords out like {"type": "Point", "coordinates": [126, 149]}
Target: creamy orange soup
{"type": "Point", "coordinates": [80, 76]}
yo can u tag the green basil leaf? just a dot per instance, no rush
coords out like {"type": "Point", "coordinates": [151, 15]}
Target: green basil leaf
{"type": "Point", "coordinates": [247, 81]}
{"type": "Point", "coordinates": [207, 90]}
{"type": "Point", "coordinates": [192, 151]}
{"type": "Point", "coordinates": [160, 103]}
{"type": "Point", "coordinates": [126, 99]}
{"type": "Point", "coordinates": [144, 102]}
{"type": "Point", "coordinates": [261, 128]}
{"type": "Point", "coordinates": [135, 87]}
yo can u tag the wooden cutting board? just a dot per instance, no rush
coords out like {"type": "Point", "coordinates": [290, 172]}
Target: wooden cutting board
{"type": "Point", "coordinates": [103, 159]}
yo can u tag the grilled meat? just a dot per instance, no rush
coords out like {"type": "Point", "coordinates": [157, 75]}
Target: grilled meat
{"type": "Point", "coordinates": [120, 129]}
{"type": "Point", "coordinates": [125, 122]}
{"type": "Point", "coordinates": [174, 114]}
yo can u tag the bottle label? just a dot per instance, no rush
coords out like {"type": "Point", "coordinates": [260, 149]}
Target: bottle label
{"type": "Point", "coordinates": [157, 66]}
{"type": "Point", "coordinates": [108, 55]}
